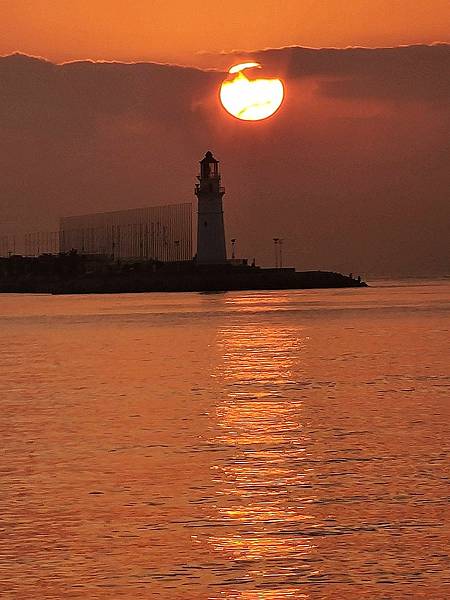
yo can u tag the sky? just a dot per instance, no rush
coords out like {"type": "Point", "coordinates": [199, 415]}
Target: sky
{"type": "Point", "coordinates": [352, 172]}
{"type": "Point", "coordinates": [181, 30]}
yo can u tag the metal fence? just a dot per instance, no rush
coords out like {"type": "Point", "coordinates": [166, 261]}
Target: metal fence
{"type": "Point", "coordinates": [30, 244]}
{"type": "Point", "coordinates": [160, 233]}
{"type": "Point", "coordinates": [8, 244]}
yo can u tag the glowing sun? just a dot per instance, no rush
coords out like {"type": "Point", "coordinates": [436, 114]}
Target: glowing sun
{"type": "Point", "coordinates": [250, 99]}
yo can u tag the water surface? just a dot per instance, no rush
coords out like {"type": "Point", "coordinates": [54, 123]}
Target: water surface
{"type": "Point", "coordinates": [239, 446]}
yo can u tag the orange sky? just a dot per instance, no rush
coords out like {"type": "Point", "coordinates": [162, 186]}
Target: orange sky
{"type": "Point", "coordinates": [177, 30]}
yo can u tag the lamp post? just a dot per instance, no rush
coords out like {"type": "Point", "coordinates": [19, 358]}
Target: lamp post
{"type": "Point", "coordinates": [233, 248]}
{"type": "Point", "coordinates": [280, 245]}
{"type": "Point", "coordinates": [275, 243]}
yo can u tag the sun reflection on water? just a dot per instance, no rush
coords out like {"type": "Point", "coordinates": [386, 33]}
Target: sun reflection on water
{"type": "Point", "coordinates": [263, 484]}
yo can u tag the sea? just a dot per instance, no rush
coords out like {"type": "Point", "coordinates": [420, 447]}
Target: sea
{"type": "Point", "coordinates": [226, 446]}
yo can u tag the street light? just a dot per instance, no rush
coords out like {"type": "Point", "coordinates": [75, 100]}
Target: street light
{"type": "Point", "coordinates": [275, 242]}
{"type": "Point", "coordinates": [233, 248]}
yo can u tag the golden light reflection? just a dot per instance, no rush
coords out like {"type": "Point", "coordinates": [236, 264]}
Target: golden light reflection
{"type": "Point", "coordinates": [263, 486]}
{"type": "Point", "coordinates": [250, 99]}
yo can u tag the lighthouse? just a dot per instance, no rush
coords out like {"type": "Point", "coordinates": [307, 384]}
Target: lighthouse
{"type": "Point", "coordinates": [211, 247]}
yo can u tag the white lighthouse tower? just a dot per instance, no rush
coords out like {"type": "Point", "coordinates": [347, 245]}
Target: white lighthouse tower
{"type": "Point", "coordinates": [211, 247]}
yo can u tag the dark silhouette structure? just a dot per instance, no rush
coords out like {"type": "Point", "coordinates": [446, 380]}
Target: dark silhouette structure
{"type": "Point", "coordinates": [107, 272]}
{"type": "Point", "coordinates": [72, 273]}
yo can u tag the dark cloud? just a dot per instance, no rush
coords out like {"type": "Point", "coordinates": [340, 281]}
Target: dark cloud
{"type": "Point", "coordinates": [404, 73]}
{"type": "Point", "coordinates": [352, 172]}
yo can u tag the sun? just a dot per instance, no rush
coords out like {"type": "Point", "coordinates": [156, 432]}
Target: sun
{"type": "Point", "coordinates": [250, 99]}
